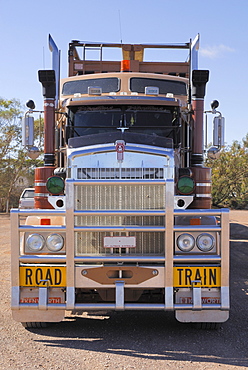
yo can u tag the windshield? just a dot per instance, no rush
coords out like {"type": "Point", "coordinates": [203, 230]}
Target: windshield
{"type": "Point", "coordinates": [151, 120]}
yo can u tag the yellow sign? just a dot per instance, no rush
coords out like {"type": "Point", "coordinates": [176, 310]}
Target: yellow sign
{"type": "Point", "coordinates": [41, 276]}
{"type": "Point", "coordinates": [208, 276]}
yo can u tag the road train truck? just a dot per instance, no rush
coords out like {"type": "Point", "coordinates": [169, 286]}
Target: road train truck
{"type": "Point", "coordinates": [122, 217]}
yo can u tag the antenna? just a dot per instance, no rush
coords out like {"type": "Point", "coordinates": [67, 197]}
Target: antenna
{"type": "Point", "coordinates": [120, 24]}
{"type": "Point", "coordinates": [44, 58]}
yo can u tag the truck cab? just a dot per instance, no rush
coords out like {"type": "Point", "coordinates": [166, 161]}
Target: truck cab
{"type": "Point", "coordinates": [122, 217]}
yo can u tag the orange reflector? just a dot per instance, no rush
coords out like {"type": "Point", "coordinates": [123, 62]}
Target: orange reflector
{"type": "Point", "coordinates": [125, 65]}
{"type": "Point", "coordinates": [195, 221]}
{"type": "Point", "coordinates": [45, 221]}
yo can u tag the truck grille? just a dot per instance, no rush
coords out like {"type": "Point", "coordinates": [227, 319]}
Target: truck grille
{"type": "Point", "coordinates": [146, 243]}
{"type": "Point", "coordinates": [120, 173]}
{"type": "Point", "coordinates": [119, 197]}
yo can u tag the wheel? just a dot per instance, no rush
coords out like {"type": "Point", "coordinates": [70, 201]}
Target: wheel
{"type": "Point", "coordinates": [34, 325]}
{"type": "Point", "coordinates": [208, 325]}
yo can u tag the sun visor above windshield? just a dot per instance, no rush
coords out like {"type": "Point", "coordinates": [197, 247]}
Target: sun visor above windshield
{"type": "Point", "coordinates": [77, 142]}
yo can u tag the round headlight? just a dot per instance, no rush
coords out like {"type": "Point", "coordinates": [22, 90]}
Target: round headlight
{"type": "Point", "coordinates": [55, 242]}
{"type": "Point", "coordinates": [35, 242]}
{"type": "Point", "coordinates": [205, 242]}
{"type": "Point", "coordinates": [185, 242]}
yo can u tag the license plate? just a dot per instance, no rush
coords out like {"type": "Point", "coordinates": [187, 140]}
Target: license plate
{"type": "Point", "coordinates": [119, 242]}
{"type": "Point", "coordinates": [40, 276]}
{"type": "Point", "coordinates": [208, 276]}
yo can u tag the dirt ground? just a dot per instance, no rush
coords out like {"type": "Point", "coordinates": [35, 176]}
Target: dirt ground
{"type": "Point", "coordinates": [130, 340]}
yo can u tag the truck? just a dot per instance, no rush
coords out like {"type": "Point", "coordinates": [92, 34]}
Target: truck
{"type": "Point", "coordinates": [122, 217]}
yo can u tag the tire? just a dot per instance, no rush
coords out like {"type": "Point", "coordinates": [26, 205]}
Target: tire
{"type": "Point", "coordinates": [208, 325]}
{"type": "Point", "coordinates": [34, 325]}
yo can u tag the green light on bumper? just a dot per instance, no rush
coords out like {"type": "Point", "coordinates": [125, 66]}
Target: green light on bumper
{"type": "Point", "coordinates": [185, 185]}
{"type": "Point", "coordinates": [55, 185]}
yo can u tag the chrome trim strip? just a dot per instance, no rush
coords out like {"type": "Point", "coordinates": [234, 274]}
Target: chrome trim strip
{"type": "Point", "coordinates": [119, 295]}
{"type": "Point", "coordinates": [42, 228]}
{"type": "Point", "coordinates": [119, 228]}
{"type": "Point", "coordinates": [201, 212]}
{"type": "Point", "coordinates": [225, 298]}
{"type": "Point", "coordinates": [197, 298]}
{"type": "Point", "coordinates": [38, 212]}
{"type": "Point", "coordinates": [225, 253]}
{"type": "Point", "coordinates": [43, 298]}
{"type": "Point", "coordinates": [70, 235]}
{"type": "Point", "coordinates": [70, 297]}
{"type": "Point", "coordinates": [46, 259]}
{"type": "Point", "coordinates": [128, 306]}
{"type": "Point", "coordinates": [169, 241]}
{"type": "Point", "coordinates": [15, 252]}
{"type": "Point", "coordinates": [202, 228]}
{"type": "Point", "coordinates": [116, 182]}
{"type": "Point", "coordinates": [15, 297]}
{"type": "Point", "coordinates": [118, 212]}
{"type": "Point", "coordinates": [130, 147]}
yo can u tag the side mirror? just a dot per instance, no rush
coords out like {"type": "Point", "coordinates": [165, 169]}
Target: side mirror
{"type": "Point", "coordinates": [219, 132]}
{"type": "Point", "coordinates": [214, 104]}
{"type": "Point", "coordinates": [213, 153]}
{"type": "Point", "coordinates": [28, 131]}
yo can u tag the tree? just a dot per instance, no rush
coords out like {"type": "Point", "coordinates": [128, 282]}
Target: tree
{"type": "Point", "coordinates": [14, 162]}
{"type": "Point", "coordinates": [230, 176]}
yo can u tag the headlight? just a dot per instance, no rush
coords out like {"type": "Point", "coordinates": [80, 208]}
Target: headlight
{"type": "Point", "coordinates": [55, 242]}
{"type": "Point", "coordinates": [35, 242]}
{"type": "Point", "coordinates": [205, 242]}
{"type": "Point", "coordinates": [185, 242]}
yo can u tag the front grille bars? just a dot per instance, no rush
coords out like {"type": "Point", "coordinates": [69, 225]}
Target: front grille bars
{"type": "Point", "coordinates": [167, 259]}
{"type": "Point", "coordinates": [70, 259]}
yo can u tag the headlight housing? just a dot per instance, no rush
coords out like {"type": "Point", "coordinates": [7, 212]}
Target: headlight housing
{"type": "Point", "coordinates": [55, 242]}
{"type": "Point", "coordinates": [35, 242]}
{"type": "Point", "coordinates": [205, 242]}
{"type": "Point", "coordinates": [185, 242]}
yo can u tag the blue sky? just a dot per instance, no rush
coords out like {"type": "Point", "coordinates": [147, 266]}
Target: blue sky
{"type": "Point", "coordinates": [222, 24]}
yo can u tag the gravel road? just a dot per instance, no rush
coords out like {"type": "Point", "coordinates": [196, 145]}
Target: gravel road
{"type": "Point", "coordinates": [129, 340]}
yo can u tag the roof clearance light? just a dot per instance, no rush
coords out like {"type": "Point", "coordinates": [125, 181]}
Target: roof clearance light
{"type": "Point", "coordinates": [151, 90]}
{"type": "Point", "coordinates": [55, 185]}
{"type": "Point", "coordinates": [185, 185]}
{"type": "Point", "coordinates": [94, 90]}
{"type": "Point", "coordinates": [169, 95]}
{"type": "Point", "coordinates": [125, 65]}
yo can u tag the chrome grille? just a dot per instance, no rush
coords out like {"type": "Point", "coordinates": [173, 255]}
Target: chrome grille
{"type": "Point", "coordinates": [120, 173]}
{"type": "Point", "coordinates": [119, 197]}
{"type": "Point", "coordinates": [146, 243]}
{"type": "Point", "coordinates": [119, 220]}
